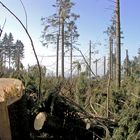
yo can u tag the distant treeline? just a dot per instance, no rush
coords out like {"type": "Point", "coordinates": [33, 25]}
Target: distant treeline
{"type": "Point", "coordinates": [11, 52]}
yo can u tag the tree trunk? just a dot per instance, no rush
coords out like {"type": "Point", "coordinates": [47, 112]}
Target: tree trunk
{"type": "Point", "coordinates": [57, 56]}
{"type": "Point", "coordinates": [112, 76]}
{"type": "Point", "coordinates": [18, 60]}
{"type": "Point", "coordinates": [9, 58]}
{"type": "Point", "coordinates": [96, 62]}
{"type": "Point", "coordinates": [1, 61]}
{"type": "Point", "coordinates": [104, 65]}
{"type": "Point", "coordinates": [62, 33]}
{"type": "Point", "coordinates": [127, 59]}
{"type": "Point", "coordinates": [114, 69]}
{"type": "Point", "coordinates": [89, 70]}
{"type": "Point", "coordinates": [111, 57]}
{"type": "Point", "coordinates": [71, 59]}
{"type": "Point", "coordinates": [118, 46]}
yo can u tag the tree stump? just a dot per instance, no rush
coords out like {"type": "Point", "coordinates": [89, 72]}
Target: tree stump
{"type": "Point", "coordinates": [10, 91]}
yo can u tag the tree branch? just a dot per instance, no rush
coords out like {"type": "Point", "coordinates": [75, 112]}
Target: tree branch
{"type": "Point", "coordinates": [25, 13]}
{"type": "Point", "coordinates": [1, 30]}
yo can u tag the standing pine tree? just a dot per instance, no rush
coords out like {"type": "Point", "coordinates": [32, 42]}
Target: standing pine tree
{"type": "Point", "coordinates": [56, 27]}
{"type": "Point", "coordinates": [51, 32]}
{"type": "Point", "coordinates": [71, 38]}
{"type": "Point", "coordinates": [4, 44]}
{"type": "Point", "coordinates": [18, 54]}
{"type": "Point", "coordinates": [9, 48]}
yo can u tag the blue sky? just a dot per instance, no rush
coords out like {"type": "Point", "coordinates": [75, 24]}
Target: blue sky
{"type": "Point", "coordinates": [95, 16]}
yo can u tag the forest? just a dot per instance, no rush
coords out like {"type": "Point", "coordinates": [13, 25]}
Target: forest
{"type": "Point", "coordinates": [81, 105]}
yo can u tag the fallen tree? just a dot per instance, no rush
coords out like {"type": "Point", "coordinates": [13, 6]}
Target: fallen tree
{"type": "Point", "coordinates": [58, 117]}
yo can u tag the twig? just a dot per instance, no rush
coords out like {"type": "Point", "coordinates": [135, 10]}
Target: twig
{"type": "Point", "coordinates": [105, 109]}
{"type": "Point", "coordinates": [124, 103]}
{"type": "Point", "coordinates": [108, 96]}
{"type": "Point", "coordinates": [135, 95]}
{"type": "Point", "coordinates": [106, 129]}
{"type": "Point", "coordinates": [93, 107]}
{"type": "Point", "coordinates": [32, 44]}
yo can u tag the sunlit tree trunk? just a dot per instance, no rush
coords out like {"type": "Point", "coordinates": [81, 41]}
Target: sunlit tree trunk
{"type": "Point", "coordinates": [58, 44]}
{"type": "Point", "coordinates": [127, 59]}
{"type": "Point", "coordinates": [89, 69]}
{"type": "Point", "coordinates": [111, 57]}
{"type": "Point", "coordinates": [57, 55]}
{"type": "Point", "coordinates": [62, 49]}
{"type": "Point", "coordinates": [104, 65]}
{"type": "Point", "coordinates": [118, 46]}
{"type": "Point", "coordinates": [71, 53]}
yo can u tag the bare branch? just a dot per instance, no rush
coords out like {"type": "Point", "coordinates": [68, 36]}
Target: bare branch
{"type": "Point", "coordinates": [135, 95]}
{"type": "Point", "coordinates": [25, 13]}
{"type": "Point", "coordinates": [1, 30]}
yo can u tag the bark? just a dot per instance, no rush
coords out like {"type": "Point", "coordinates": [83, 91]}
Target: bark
{"type": "Point", "coordinates": [111, 57]}
{"type": "Point", "coordinates": [62, 33]}
{"type": "Point", "coordinates": [127, 59]}
{"type": "Point", "coordinates": [71, 54]}
{"type": "Point", "coordinates": [118, 46]}
{"type": "Point", "coordinates": [104, 65]}
{"type": "Point", "coordinates": [89, 71]}
{"type": "Point", "coordinates": [57, 56]}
